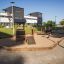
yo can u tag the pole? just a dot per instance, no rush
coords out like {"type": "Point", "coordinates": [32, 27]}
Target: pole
{"type": "Point", "coordinates": [13, 17]}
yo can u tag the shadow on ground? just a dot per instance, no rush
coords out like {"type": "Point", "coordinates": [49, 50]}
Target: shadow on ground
{"type": "Point", "coordinates": [10, 58]}
{"type": "Point", "coordinates": [6, 40]}
{"type": "Point", "coordinates": [9, 42]}
{"type": "Point", "coordinates": [4, 35]}
{"type": "Point", "coordinates": [30, 40]}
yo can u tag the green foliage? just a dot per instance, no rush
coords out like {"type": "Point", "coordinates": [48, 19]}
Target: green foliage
{"type": "Point", "coordinates": [44, 23]}
{"type": "Point", "coordinates": [1, 26]}
{"type": "Point", "coordinates": [49, 23]}
{"type": "Point", "coordinates": [38, 28]}
{"type": "Point", "coordinates": [62, 22]}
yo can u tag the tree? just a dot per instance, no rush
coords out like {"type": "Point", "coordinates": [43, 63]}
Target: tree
{"type": "Point", "coordinates": [49, 23]}
{"type": "Point", "coordinates": [44, 23]}
{"type": "Point", "coordinates": [62, 22]}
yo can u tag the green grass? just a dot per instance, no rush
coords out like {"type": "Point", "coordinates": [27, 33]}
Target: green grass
{"type": "Point", "coordinates": [6, 30]}
{"type": "Point", "coordinates": [28, 30]}
{"type": "Point", "coordinates": [10, 30]}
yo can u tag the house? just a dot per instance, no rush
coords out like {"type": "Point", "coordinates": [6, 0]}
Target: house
{"type": "Point", "coordinates": [39, 17]}
{"type": "Point", "coordinates": [6, 17]}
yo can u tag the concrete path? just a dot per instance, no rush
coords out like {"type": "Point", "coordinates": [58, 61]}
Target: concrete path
{"type": "Point", "coordinates": [53, 56]}
{"type": "Point", "coordinates": [41, 42]}
{"type": "Point", "coordinates": [61, 43]}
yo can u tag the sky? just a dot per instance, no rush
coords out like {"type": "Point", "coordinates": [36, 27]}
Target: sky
{"type": "Point", "coordinates": [48, 8]}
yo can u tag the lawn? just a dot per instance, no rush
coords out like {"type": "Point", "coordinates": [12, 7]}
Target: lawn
{"type": "Point", "coordinates": [28, 30]}
{"type": "Point", "coordinates": [6, 30]}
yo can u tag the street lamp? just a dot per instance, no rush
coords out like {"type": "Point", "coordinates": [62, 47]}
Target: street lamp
{"type": "Point", "coordinates": [13, 16]}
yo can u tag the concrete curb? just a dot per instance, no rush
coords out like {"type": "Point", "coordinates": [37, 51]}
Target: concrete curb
{"type": "Point", "coordinates": [31, 48]}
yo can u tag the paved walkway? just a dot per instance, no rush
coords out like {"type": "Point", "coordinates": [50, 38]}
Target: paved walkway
{"type": "Point", "coordinates": [53, 56]}
{"type": "Point", "coordinates": [41, 42]}
{"type": "Point", "coordinates": [61, 43]}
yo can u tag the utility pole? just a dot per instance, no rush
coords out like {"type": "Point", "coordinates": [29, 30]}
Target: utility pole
{"type": "Point", "coordinates": [13, 16]}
